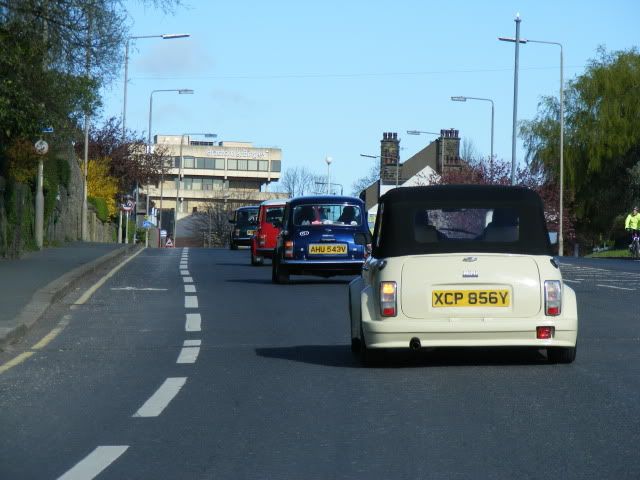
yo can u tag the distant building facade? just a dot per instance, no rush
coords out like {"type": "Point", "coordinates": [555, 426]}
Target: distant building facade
{"type": "Point", "coordinates": [227, 174]}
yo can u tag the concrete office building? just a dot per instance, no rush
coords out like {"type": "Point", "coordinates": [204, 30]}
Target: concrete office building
{"type": "Point", "coordinates": [226, 174]}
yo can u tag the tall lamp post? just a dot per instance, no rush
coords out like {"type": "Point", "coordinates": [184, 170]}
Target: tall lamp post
{"type": "Point", "coordinates": [181, 91]}
{"type": "Point", "coordinates": [328, 160]}
{"type": "Point", "coordinates": [164, 36]}
{"type": "Point", "coordinates": [521, 40]}
{"type": "Point", "coordinates": [517, 41]}
{"type": "Point", "coordinates": [179, 180]}
{"type": "Point", "coordinates": [464, 99]}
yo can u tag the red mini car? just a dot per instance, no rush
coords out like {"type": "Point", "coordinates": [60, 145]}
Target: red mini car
{"type": "Point", "coordinates": [263, 241]}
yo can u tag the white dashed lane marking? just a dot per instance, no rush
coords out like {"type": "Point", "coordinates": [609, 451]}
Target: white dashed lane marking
{"type": "Point", "coordinates": [190, 301]}
{"type": "Point", "coordinates": [612, 286]}
{"type": "Point", "coordinates": [94, 463]}
{"type": "Point", "coordinates": [161, 399]}
{"type": "Point", "coordinates": [188, 355]}
{"type": "Point", "coordinates": [193, 322]}
{"type": "Point", "coordinates": [184, 272]}
{"type": "Point", "coordinates": [187, 279]}
{"type": "Point", "coordinates": [189, 289]}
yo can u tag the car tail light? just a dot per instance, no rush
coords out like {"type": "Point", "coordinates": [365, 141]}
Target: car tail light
{"type": "Point", "coordinates": [552, 298]}
{"type": "Point", "coordinates": [388, 299]}
{"type": "Point", "coordinates": [367, 250]}
{"type": "Point", "coordinates": [262, 240]}
{"type": "Point", "coordinates": [545, 333]}
{"type": "Point", "coordinates": [288, 249]}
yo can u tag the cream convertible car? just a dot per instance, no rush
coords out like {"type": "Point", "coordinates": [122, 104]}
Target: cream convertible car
{"type": "Point", "coordinates": [462, 266]}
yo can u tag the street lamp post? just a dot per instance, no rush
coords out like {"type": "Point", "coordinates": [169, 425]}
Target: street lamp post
{"type": "Point", "coordinates": [464, 99]}
{"type": "Point", "coordinates": [175, 222]}
{"type": "Point", "coordinates": [328, 160]}
{"type": "Point", "coordinates": [164, 36]}
{"type": "Point", "coordinates": [517, 41]}
{"type": "Point", "coordinates": [520, 40]}
{"type": "Point", "coordinates": [181, 91]}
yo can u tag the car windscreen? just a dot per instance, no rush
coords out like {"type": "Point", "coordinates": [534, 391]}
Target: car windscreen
{"type": "Point", "coordinates": [327, 214]}
{"type": "Point", "coordinates": [247, 217]}
{"type": "Point", "coordinates": [410, 228]}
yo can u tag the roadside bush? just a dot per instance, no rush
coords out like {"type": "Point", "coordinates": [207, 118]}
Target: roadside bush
{"type": "Point", "coordinates": [100, 204]}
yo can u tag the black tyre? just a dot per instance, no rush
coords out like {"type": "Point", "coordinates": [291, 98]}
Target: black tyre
{"type": "Point", "coordinates": [279, 274]}
{"type": "Point", "coordinates": [256, 260]}
{"type": "Point", "coordinates": [233, 246]}
{"type": "Point", "coordinates": [369, 357]}
{"type": "Point", "coordinates": [561, 355]}
{"type": "Point", "coordinates": [635, 252]}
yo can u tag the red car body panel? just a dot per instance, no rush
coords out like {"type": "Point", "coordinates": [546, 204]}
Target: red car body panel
{"type": "Point", "coordinates": [263, 242]}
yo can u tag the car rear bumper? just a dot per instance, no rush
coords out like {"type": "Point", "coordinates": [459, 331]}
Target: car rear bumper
{"type": "Point", "coordinates": [265, 252]}
{"type": "Point", "coordinates": [468, 333]}
{"type": "Point", "coordinates": [244, 241]}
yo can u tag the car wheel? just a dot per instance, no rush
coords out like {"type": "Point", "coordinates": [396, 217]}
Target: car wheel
{"type": "Point", "coordinates": [259, 260]}
{"type": "Point", "coordinates": [282, 274]}
{"type": "Point", "coordinates": [561, 355]}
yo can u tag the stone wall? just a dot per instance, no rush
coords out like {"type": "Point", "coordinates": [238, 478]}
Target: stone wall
{"type": "Point", "coordinates": [17, 213]}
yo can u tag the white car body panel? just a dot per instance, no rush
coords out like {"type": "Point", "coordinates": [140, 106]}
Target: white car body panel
{"type": "Point", "coordinates": [416, 276]}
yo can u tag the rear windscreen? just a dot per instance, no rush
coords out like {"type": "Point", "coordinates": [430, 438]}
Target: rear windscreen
{"type": "Point", "coordinates": [407, 228]}
{"type": "Point", "coordinates": [274, 214]}
{"type": "Point", "coordinates": [327, 214]}
{"type": "Point", "coordinates": [247, 217]}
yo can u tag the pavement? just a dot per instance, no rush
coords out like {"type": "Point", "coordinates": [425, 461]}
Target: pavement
{"type": "Point", "coordinates": [31, 284]}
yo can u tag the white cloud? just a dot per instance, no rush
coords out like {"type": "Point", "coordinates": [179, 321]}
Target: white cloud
{"type": "Point", "coordinates": [173, 57]}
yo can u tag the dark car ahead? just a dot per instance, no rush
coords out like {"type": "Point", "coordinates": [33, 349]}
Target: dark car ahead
{"type": "Point", "coordinates": [321, 235]}
{"type": "Point", "coordinates": [244, 220]}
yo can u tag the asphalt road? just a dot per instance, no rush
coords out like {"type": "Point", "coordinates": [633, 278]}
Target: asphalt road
{"type": "Point", "coordinates": [265, 386]}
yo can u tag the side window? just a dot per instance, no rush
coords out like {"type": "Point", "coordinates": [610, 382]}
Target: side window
{"type": "Point", "coordinates": [377, 231]}
{"type": "Point", "coordinates": [285, 219]}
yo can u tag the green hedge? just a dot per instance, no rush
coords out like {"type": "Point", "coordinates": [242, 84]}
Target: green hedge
{"type": "Point", "coordinates": [100, 204]}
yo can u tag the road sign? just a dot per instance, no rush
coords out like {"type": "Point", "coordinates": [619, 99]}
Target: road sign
{"type": "Point", "coordinates": [163, 233]}
{"type": "Point", "coordinates": [47, 130]}
{"type": "Point", "coordinates": [42, 147]}
{"type": "Point", "coordinates": [128, 205]}
{"type": "Point", "coordinates": [169, 243]}
{"type": "Point", "coordinates": [147, 224]}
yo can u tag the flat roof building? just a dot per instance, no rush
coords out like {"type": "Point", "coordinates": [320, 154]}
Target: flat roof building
{"type": "Point", "coordinates": [223, 174]}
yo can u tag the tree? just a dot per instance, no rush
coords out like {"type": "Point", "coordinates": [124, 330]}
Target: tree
{"type": "Point", "coordinates": [297, 181]}
{"type": "Point", "coordinates": [101, 184]}
{"type": "Point", "coordinates": [212, 224]}
{"type": "Point", "coordinates": [602, 140]}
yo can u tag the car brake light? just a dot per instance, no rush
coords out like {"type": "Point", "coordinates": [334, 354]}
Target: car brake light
{"type": "Point", "coordinates": [288, 249]}
{"type": "Point", "coordinates": [552, 298]}
{"type": "Point", "coordinates": [388, 299]}
{"type": "Point", "coordinates": [262, 240]}
{"type": "Point", "coordinates": [545, 333]}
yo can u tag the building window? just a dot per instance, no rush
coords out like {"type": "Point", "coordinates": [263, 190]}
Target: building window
{"type": "Point", "coordinates": [188, 183]}
{"type": "Point", "coordinates": [275, 165]}
{"type": "Point", "coordinates": [189, 162]}
{"type": "Point", "coordinates": [242, 164]}
{"type": "Point", "coordinates": [176, 162]}
{"type": "Point", "coordinates": [263, 165]}
{"type": "Point", "coordinates": [209, 163]}
{"type": "Point", "coordinates": [252, 165]}
{"type": "Point", "coordinates": [200, 163]}
{"type": "Point", "coordinates": [218, 183]}
{"type": "Point", "coordinates": [194, 210]}
{"type": "Point", "coordinates": [207, 183]}
{"type": "Point", "coordinates": [219, 163]}
{"type": "Point", "coordinates": [232, 164]}
{"type": "Point", "coordinates": [196, 183]}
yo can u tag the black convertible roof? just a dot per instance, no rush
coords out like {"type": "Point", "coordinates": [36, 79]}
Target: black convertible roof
{"type": "Point", "coordinates": [395, 233]}
{"type": "Point", "coordinates": [464, 193]}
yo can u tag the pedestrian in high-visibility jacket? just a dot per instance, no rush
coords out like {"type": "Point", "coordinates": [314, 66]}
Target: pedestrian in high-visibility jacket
{"type": "Point", "coordinates": [632, 224]}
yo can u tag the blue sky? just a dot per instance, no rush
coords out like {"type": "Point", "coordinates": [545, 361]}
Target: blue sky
{"type": "Point", "coordinates": [328, 78]}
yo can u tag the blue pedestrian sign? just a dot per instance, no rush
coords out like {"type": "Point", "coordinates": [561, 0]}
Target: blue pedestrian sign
{"type": "Point", "coordinates": [47, 130]}
{"type": "Point", "coordinates": [147, 224]}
